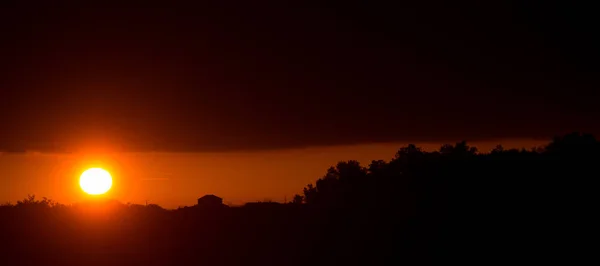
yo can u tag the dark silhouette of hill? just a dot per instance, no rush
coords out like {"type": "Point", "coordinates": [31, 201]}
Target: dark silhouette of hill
{"type": "Point", "coordinates": [456, 204]}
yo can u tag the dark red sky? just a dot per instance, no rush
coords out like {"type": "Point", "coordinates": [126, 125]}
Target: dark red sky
{"type": "Point", "coordinates": [270, 76]}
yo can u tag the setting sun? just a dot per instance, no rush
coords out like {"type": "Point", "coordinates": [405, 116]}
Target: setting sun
{"type": "Point", "coordinates": [95, 181]}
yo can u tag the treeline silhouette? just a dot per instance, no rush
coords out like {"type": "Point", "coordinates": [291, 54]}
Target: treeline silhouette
{"type": "Point", "coordinates": [419, 208]}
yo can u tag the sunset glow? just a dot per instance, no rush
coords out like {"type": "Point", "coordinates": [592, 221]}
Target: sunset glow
{"type": "Point", "coordinates": [95, 181]}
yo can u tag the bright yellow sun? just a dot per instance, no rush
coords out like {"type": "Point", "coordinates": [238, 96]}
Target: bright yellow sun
{"type": "Point", "coordinates": [95, 181]}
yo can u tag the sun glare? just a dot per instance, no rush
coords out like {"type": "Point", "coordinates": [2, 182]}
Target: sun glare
{"type": "Point", "coordinates": [95, 181]}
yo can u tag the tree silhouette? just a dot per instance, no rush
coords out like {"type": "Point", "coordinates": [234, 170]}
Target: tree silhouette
{"type": "Point", "coordinates": [574, 145]}
{"type": "Point", "coordinates": [455, 202]}
{"type": "Point", "coordinates": [297, 199]}
{"type": "Point", "coordinates": [498, 149]}
{"type": "Point", "coordinates": [310, 194]}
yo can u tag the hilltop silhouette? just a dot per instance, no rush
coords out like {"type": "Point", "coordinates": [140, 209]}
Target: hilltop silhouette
{"type": "Point", "coordinates": [456, 204]}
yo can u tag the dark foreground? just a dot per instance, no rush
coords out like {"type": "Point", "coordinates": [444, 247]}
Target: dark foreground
{"type": "Point", "coordinates": [451, 206]}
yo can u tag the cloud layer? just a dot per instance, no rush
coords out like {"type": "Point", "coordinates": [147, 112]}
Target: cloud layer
{"type": "Point", "coordinates": [210, 78]}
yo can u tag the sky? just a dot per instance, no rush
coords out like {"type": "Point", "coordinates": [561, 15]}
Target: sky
{"type": "Point", "coordinates": [222, 79]}
{"type": "Point", "coordinates": [174, 179]}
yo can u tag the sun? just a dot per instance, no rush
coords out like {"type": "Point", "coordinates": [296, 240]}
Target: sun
{"type": "Point", "coordinates": [95, 181]}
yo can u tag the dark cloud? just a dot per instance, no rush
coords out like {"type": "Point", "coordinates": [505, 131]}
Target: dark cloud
{"type": "Point", "coordinates": [258, 76]}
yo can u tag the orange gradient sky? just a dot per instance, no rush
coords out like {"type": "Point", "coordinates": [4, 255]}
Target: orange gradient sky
{"type": "Point", "coordinates": [178, 179]}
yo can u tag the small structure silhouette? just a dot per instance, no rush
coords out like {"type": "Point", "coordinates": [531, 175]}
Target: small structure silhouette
{"type": "Point", "coordinates": [210, 201]}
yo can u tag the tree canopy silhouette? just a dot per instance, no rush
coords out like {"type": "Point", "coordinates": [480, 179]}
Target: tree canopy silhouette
{"type": "Point", "coordinates": [456, 203]}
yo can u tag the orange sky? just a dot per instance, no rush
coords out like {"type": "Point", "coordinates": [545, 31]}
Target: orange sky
{"type": "Point", "coordinates": [177, 179]}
